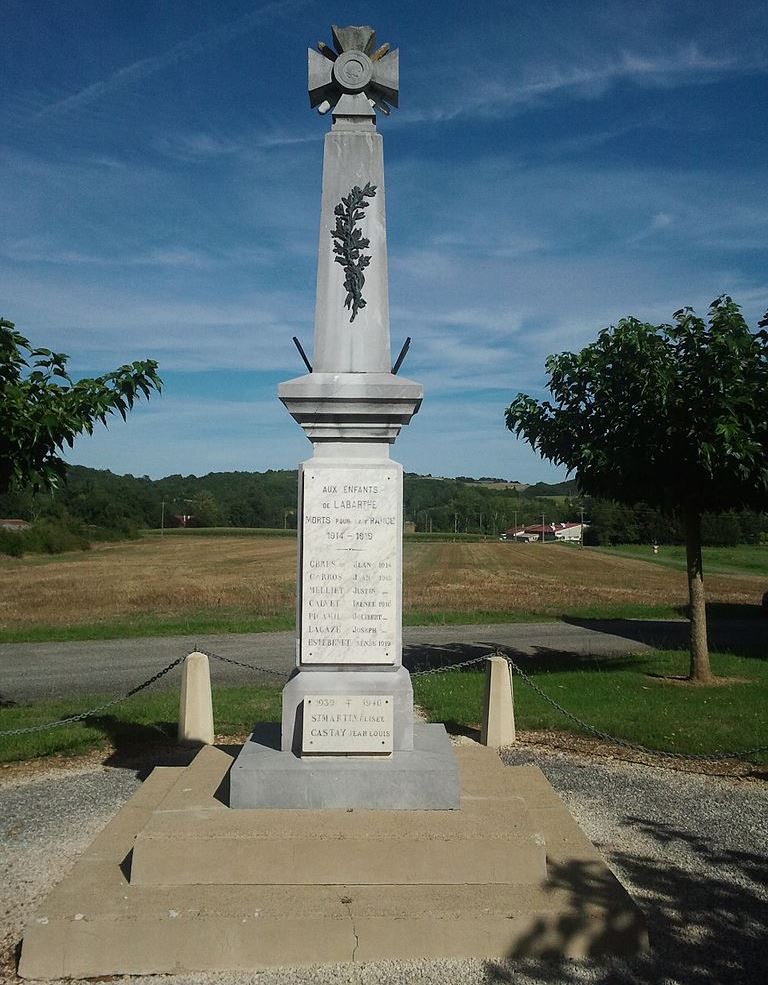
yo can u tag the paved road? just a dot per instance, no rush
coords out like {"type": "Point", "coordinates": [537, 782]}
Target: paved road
{"type": "Point", "coordinates": [36, 671]}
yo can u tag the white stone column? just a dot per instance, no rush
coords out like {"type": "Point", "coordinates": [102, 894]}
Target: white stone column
{"type": "Point", "coordinates": [351, 407]}
{"type": "Point", "coordinates": [348, 737]}
{"type": "Point", "coordinates": [353, 158]}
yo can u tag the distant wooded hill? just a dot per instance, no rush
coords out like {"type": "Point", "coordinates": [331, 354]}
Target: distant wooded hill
{"type": "Point", "coordinates": [567, 488]}
{"type": "Point", "coordinates": [268, 499]}
{"type": "Point", "coordinates": [124, 503]}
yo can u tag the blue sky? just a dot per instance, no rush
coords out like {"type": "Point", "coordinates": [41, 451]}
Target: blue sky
{"type": "Point", "coordinates": [552, 168]}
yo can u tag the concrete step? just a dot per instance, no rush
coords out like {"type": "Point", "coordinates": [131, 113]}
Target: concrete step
{"type": "Point", "coordinates": [192, 839]}
{"type": "Point", "coordinates": [98, 922]}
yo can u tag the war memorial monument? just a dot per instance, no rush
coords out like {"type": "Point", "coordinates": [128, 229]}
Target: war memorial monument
{"type": "Point", "coordinates": [349, 832]}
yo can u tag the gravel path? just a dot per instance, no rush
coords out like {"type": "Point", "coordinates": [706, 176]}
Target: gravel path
{"type": "Point", "coordinates": [690, 849]}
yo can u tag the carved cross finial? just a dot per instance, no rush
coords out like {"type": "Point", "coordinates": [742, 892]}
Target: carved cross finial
{"type": "Point", "coordinates": [356, 78]}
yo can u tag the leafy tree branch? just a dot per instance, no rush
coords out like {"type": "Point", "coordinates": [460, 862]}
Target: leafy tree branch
{"type": "Point", "coordinates": [42, 409]}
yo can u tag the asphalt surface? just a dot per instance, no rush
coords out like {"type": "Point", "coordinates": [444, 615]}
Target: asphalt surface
{"type": "Point", "coordinates": [39, 671]}
{"type": "Point", "coordinates": [690, 849]}
{"type": "Point", "coordinates": [35, 671]}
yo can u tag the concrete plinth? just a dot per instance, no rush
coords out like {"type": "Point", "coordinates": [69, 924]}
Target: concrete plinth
{"type": "Point", "coordinates": [104, 919]}
{"type": "Point", "coordinates": [196, 703]}
{"type": "Point", "coordinates": [423, 778]}
{"type": "Point", "coordinates": [498, 727]}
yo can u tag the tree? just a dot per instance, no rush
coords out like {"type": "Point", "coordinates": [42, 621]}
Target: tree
{"type": "Point", "coordinates": [42, 409]}
{"type": "Point", "coordinates": [675, 416]}
{"type": "Point", "coordinates": [205, 511]}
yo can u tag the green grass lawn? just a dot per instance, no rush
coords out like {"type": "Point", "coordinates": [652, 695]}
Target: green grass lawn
{"type": "Point", "coordinates": [146, 719]}
{"type": "Point", "coordinates": [202, 622]}
{"type": "Point", "coordinates": [193, 623]}
{"type": "Point", "coordinates": [622, 696]}
{"type": "Point", "coordinates": [744, 559]}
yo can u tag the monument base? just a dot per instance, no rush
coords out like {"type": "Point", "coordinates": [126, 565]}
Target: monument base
{"type": "Point", "coordinates": [423, 778]}
{"type": "Point", "coordinates": [485, 895]}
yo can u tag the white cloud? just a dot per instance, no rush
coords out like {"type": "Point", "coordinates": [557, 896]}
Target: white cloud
{"type": "Point", "coordinates": [204, 147]}
{"type": "Point", "coordinates": [192, 47]}
{"type": "Point", "coordinates": [486, 290]}
{"type": "Point", "coordinates": [196, 146]}
{"type": "Point", "coordinates": [505, 94]}
{"type": "Point", "coordinates": [173, 434]}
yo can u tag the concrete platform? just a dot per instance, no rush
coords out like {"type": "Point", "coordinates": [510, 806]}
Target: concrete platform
{"type": "Point", "coordinates": [425, 777]}
{"type": "Point", "coordinates": [108, 918]}
{"type": "Point", "coordinates": [208, 846]}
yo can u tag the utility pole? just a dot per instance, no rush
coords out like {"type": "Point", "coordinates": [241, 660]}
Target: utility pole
{"type": "Point", "coordinates": [514, 535]}
{"type": "Point", "coordinates": [162, 517]}
{"type": "Point", "coordinates": [455, 522]}
{"type": "Point", "coordinates": [581, 529]}
{"type": "Point", "coordinates": [542, 528]}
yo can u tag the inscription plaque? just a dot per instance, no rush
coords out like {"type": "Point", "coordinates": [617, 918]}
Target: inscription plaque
{"type": "Point", "coordinates": [350, 565]}
{"type": "Point", "coordinates": [347, 723]}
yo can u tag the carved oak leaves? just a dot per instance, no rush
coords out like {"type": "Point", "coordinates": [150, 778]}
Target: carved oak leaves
{"type": "Point", "coordinates": [349, 244]}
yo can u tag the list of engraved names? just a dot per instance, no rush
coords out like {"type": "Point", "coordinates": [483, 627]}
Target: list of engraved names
{"type": "Point", "coordinates": [350, 578]}
{"type": "Point", "coordinates": [347, 723]}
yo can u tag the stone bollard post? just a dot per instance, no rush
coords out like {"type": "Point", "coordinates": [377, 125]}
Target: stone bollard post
{"type": "Point", "coordinates": [499, 712]}
{"type": "Point", "coordinates": [196, 704]}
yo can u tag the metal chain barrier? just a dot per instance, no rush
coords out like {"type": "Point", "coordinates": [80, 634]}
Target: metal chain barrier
{"type": "Point", "coordinates": [92, 712]}
{"type": "Point", "coordinates": [239, 663]}
{"type": "Point", "coordinates": [625, 743]}
{"type": "Point", "coordinates": [443, 670]}
{"type": "Point", "coordinates": [473, 661]}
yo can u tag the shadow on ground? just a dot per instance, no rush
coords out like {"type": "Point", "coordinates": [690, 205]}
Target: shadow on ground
{"type": "Point", "coordinates": [730, 628]}
{"type": "Point", "coordinates": [140, 747]}
{"type": "Point", "coordinates": [705, 929]}
{"type": "Point", "coordinates": [421, 657]}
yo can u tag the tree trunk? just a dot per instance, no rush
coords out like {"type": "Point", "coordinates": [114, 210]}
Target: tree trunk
{"type": "Point", "coordinates": [700, 670]}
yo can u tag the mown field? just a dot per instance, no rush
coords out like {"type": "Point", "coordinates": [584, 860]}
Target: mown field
{"type": "Point", "coordinates": [739, 560]}
{"type": "Point", "coordinates": [160, 586]}
{"type": "Point", "coordinates": [244, 583]}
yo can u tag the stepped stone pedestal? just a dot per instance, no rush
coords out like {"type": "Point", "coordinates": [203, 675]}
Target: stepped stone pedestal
{"type": "Point", "coordinates": [178, 882]}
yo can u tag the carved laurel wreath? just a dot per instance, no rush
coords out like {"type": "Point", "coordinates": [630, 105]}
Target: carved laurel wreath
{"type": "Point", "coordinates": [350, 243]}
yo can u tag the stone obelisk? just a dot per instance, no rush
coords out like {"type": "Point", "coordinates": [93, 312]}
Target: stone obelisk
{"type": "Point", "coordinates": [347, 720]}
